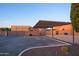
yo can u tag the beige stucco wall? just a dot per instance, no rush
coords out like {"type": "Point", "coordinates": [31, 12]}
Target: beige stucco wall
{"type": "Point", "coordinates": [61, 30]}
{"type": "Point", "coordinates": [36, 31]}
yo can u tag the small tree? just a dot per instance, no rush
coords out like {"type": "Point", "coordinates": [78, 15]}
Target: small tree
{"type": "Point", "coordinates": [6, 30]}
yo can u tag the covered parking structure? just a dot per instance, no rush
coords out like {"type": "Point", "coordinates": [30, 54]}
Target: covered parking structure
{"type": "Point", "coordinates": [50, 24]}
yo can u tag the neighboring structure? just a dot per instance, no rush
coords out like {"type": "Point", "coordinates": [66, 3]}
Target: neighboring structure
{"type": "Point", "coordinates": [27, 30]}
{"type": "Point", "coordinates": [20, 28]}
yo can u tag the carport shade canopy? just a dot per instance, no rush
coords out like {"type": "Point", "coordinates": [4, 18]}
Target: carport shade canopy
{"type": "Point", "coordinates": [49, 24]}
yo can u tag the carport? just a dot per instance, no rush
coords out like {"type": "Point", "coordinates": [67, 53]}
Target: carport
{"type": "Point", "coordinates": [49, 24]}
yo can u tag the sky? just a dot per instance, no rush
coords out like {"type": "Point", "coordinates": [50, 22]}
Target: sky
{"type": "Point", "coordinates": [30, 13]}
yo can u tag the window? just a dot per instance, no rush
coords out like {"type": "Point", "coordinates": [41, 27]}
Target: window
{"type": "Point", "coordinates": [30, 34]}
{"type": "Point", "coordinates": [57, 32]}
{"type": "Point", "coordinates": [63, 29]}
{"type": "Point", "coordinates": [65, 33]}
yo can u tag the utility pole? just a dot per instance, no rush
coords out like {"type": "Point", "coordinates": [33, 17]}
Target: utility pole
{"type": "Point", "coordinates": [73, 40]}
{"type": "Point", "coordinates": [73, 36]}
{"type": "Point", "coordinates": [52, 31]}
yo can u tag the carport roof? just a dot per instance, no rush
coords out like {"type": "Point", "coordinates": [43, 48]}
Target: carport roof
{"type": "Point", "coordinates": [49, 24]}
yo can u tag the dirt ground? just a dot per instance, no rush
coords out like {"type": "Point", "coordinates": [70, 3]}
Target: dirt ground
{"type": "Point", "coordinates": [54, 51]}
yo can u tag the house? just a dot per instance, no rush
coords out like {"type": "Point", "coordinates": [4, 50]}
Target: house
{"type": "Point", "coordinates": [55, 27]}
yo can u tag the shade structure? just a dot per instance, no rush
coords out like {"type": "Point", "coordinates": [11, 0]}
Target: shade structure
{"type": "Point", "coordinates": [49, 24]}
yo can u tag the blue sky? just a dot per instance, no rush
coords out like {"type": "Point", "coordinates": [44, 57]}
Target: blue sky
{"type": "Point", "coordinates": [30, 14]}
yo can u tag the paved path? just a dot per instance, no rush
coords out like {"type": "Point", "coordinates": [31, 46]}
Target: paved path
{"type": "Point", "coordinates": [68, 38]}
{"type": "Point", "coordinates": [12, 46]}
